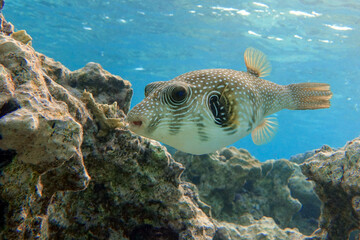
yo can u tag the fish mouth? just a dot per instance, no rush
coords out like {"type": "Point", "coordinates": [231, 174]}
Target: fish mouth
{"type": "Point", "coordinates": [135, 123]}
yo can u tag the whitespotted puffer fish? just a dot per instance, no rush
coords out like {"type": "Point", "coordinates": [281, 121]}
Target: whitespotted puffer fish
{"type": "Point", "coordinates": [202, 111]}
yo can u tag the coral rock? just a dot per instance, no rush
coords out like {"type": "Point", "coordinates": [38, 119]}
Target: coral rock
{"type": "Point", "coordinates": [105, 87]}
{"type": "Point", "coordinates": [264, 228]}
{"type": "Point", "coordinates": [50, 146]}
{"type": "Point", "coordinates": [40, 138]}
{"type": "Point", "coordinates": [5, 27]}
{"type": "Point", "coordinates": [337, 179]}
{"type": "Point", "coordinates": [22, 36]}
{"type": "Point", "coordinates": [233, 183]}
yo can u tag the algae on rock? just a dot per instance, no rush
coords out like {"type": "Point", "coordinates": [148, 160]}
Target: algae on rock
{"type": "Point", "coordinates": [43, 137]}
{"type": "Point", "coordinates": [234, 184]}
{"type": "Point", "coordinates": [337, 178]}
{"type": "Point", "coordinates": [48, 137]}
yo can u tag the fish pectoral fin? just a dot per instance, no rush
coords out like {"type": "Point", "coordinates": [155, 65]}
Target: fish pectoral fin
{"type": "Point", "coordinates": [256, 62]}
{"type": "Point", "coordinates": [265, 131]}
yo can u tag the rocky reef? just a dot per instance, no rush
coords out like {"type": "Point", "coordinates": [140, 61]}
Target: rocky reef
{"type": "Point", "coordinates": [70, 169]}
{"type": "Point", "coordinates": [234, 183]}
{"type": "Point", "coordinates": [337, 177]}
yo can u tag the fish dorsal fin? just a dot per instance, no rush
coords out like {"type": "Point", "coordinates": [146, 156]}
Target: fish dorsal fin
{"type": "Point", "coordinates": [265, 131]}
{"type": "Point", "coordinates": [256, 62]}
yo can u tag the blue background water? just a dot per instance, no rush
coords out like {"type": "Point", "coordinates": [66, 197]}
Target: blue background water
{"type": "Point", "coordinates": [146, 41]}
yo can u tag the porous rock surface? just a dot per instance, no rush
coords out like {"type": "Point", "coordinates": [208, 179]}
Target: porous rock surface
{"type": "Point", "coordinates": [235, 184]}
{"type": "Point", "coordinates": [336, 173]}
{"type": "Point", "coordinates": [70, 169]}
{"type": "Point", "coordinates": [51, 145]}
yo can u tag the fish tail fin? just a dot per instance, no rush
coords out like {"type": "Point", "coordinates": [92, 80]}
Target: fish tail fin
{"type": "Point", "coordinates": [306, 96]}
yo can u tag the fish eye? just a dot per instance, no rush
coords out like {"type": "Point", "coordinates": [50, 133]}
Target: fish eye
{"type": "Point", "coordinates": [178, 94]}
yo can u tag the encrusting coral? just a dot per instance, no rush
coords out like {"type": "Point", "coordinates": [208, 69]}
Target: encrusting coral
{"type": "Point", "coordinates": [22, 36]}
{"type": "Point", "coordinates": [53, 142]}
{"type": "Point", "coordinates": [235, 184]}
{"type": "Point", "coordinates": [98, 110]}
{"type": "Point", "coordinates": [337, 178]}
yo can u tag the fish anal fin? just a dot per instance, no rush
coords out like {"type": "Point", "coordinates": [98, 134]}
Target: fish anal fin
{"type": "Point", "coordinates": [256, 62]}
{"type": "Point", "coordinates": [265, 131]}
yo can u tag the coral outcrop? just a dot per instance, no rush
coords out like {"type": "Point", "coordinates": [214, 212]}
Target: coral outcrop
{"type": "Point", "coordinates": [337, 178]}
{"type": "Point", "coordinates": [69, 168]}
{"type": "Point", "coordinates": [235, 184]}
{"type": "Point", "coordinates": [43, 137]}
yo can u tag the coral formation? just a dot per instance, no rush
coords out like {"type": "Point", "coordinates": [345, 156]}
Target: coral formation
{"type": "Point", "coordinates": [105, 87]}
{"type": "Point", "coordinates": [5, 27]}
{"type": "Point", "coordinates": [99, 111]}
{"type": "Point", "coordinates": [39, 137]}
{"type": "Point", "coordinates": [264, 228]}
{"type": "Point", "coordinates": [234, 184]}
{"type": "Point", "coordinates": [337, 178]}
{"type": "Point", "coordinates": [48, 136]}
{"type": "Point", "coordinates": [22, 36]}
{"type": "Point", "coordinates": [70, 169]}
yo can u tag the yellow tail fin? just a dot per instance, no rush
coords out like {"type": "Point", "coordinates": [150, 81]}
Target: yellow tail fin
{"type": "Point", "coordinates": [309, 96]}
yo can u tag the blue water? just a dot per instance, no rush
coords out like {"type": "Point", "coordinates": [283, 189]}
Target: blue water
{"type": "Point", "coordinates": [146, 41]}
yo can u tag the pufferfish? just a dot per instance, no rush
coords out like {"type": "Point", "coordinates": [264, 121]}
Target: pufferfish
{"type": "Point", "coordinates": [202, 111]}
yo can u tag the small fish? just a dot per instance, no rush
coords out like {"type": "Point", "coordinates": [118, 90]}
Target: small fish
{"type": "Point", "coordinates": [202, 111]}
